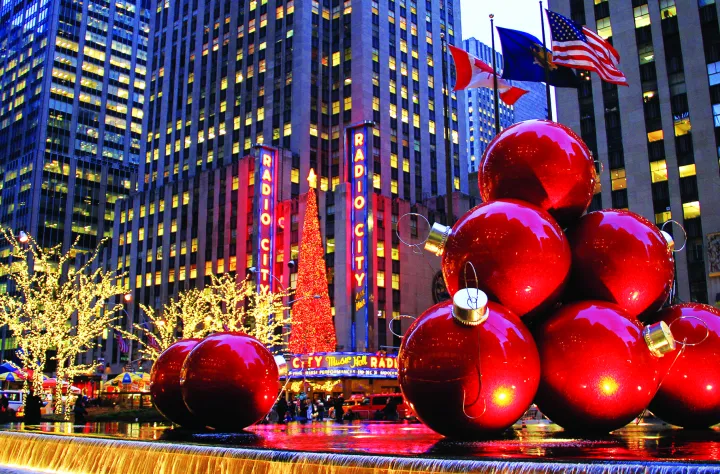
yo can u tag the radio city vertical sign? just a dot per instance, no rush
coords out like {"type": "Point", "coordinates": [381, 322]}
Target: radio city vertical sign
{"type": "Point", "coordinates": [266, 166]}
{"type": "Point", "coordinates": [356, 152]}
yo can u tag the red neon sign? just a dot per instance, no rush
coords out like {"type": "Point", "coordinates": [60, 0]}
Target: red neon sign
{"type": "Point", "coordinates": [266, 187]}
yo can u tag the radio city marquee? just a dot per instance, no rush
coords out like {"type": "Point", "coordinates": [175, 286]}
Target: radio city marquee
{"type": "Point", "coordinates": [357, 153]}
{"type": "Point", "coordinates": [265, 190]}
{"type": "Point", "coordinates": [344, 364]}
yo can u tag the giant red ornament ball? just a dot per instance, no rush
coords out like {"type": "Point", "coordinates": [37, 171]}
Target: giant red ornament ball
{"type": "Point", "coordinates": [598, 372]}
{"type": "Point", "coordinates": [521, 255]}
{"type": "Point", "coordinates": [165, 384]}
{"type": "Point", "coordinates": [543, 163]}
{"type": "Point", "coordinates": [620, 257]}
{"type": "Point", "coordinates": [689, 395]}
{"type": "Point", "coordinates": [468, 381]}
{"type": "Point", "coordinates": [230, 381]}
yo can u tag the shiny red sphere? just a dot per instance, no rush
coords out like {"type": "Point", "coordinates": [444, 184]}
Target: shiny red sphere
{"type": "Point", "coordinates": [598, 373]}
{"type": "Point", "coordinates": [620, 257]}
{"type": "Point", "coordinates": [165, 384]}
{"type": "Point", "coordinates": [229, 381]}
{"type": "Point", "coordinates": [543, 163]}
{"type": "Point", "coordinates": [468, 381]}
{"type": "Point", "coordinates": [520, 254]}
{"type": "Point", "coordinates": [689, 395]}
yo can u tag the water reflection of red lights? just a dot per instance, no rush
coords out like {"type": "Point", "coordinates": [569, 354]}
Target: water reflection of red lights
{"type": "Point", "coordinates": [643, 442]}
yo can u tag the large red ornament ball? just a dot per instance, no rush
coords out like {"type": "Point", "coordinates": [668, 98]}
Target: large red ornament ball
{"type": "Point", "coordinates": [689, 395]}
{"type": "Point", "coordinates": [468, 381]}
{"type": "Point", "coordinates": [520, 255]}
{"type": "Point", "coordinates": [165, 384]}
{"type": "Point", "coordinates": [620, 257]}
{"type": "Point", "coordinates": [543, 163]}
{"type": "Point", "coordinates": [229, 381]}
{"type": "Point", "coordinates": [598, 373]}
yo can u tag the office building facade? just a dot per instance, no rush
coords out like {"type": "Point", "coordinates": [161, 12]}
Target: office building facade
{"type": "Point", "coordinates": [72, 80]}
{"type": "Point", "coordinates": [481, 107]}
{"type": "Point", "coordinates": [227, 75]}
{"type": "Point", "coordinates": [658, 139]}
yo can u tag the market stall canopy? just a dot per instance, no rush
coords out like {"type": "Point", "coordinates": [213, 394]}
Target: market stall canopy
{"type": "Point", "coordinates": [11, 377]}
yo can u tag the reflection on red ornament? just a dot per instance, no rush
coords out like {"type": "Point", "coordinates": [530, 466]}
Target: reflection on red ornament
{"type": "Point", "coordinates": [467, 381]}
{"type": "Point", "coordinates": [541, 162]}
{"type": "Point", "coordinates": [521, 255]}
{"type": "Point", "coordinates": [165, 384]}
{"type": "Point", "coordinates": [620, 257]}
{"type": "Point", "coordinates": [598, 371]}
{"type": "Point", "coordinates": [690, 394]}
{"type": "Point", "coordinates": [230, 381]}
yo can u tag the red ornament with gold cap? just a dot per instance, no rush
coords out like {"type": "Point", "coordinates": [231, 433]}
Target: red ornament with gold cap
{"type": "Point", "coordinates": [522, 255]}
{"type": "Point", "coordinates": [165, 384]}
{"type": "Point", "coordinates": [690, 394]}
{"type": "Point", "coordinates": [600, 367]}
{"type": "Point", "coordinates": [620, 257]}
{"type": "Point", "coordinates": [541, 162]}
{"type": "Point", "coordinates": [468, 367]}
{"type": "Point", "coordinates": [230, 381]}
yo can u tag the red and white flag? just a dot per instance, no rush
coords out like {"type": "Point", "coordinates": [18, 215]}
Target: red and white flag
{"type": "Point", "coordinates": [579, 47]}
{"type": "Point", "coordinates": [471, 73]}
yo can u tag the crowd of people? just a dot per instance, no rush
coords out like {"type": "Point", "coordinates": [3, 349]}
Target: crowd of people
{"type": "Point", "coordinates": [301, 408]}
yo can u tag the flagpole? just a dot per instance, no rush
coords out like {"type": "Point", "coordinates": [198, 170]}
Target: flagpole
{"type": "Point", "coordinates": [545, 64]}
{"type": "Point", "coordinates": [448, 135]}
{"type": "Point", "coordinates": [495, 78]}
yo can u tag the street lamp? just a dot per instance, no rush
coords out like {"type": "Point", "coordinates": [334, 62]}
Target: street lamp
{"type": "Point", "coordinates": [23, 237]}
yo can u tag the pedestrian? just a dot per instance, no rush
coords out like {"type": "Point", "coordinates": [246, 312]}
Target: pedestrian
{"type": "Point", "coordinates": [292, 410]}
{"type": "Point", "coordinates": [320, 410]}
{"type": "Point", "coordinates": [4, 408]}
{"type": "Point", "coordinates": [311, 411]}
{"type": "Point", "coordinates": [79, 411]}
{"type": "Point", "coordinates": [33, 404]}
{"type": "Point", "coordinates": [390, 412]}
{"type": "Point", "coordinates": [302, 410]}
{"type": "Point", "coordinates": [282, 408]}
{"type": "Point", "coordinates": [339, 401]}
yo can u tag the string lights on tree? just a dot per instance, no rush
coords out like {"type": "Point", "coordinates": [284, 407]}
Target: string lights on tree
{"type": "Point", "coordinates": [55, 305]}
{"type": "Point", "coordinates": [225, 304]}
{"type": "Point", "coordinates": [312, 329]}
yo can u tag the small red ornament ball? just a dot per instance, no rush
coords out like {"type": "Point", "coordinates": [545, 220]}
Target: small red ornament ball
{"type": "Point", "coordinates": [165, 384]}
{"type": "Point", "coordinates": [229, 381]}
{"type": "Point", "coordinates": [467, 382]}
{"type": "Point", "coordinates": [520, 255]}
{"type": "Point", "coordinates": [543, 163]}
{"type": "Point", "coordinates": [620, 257]}
{"type": "Point", "coordinates": [598, 372]}
{"type": "Point", "coordinates": [689, 395]}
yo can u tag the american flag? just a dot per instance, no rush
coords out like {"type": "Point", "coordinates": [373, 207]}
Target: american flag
{"type": "Point", "coordinates": [123, 344]}
{"type": "Point", "coordinates": [152, 342]}
{"type": "Point", "coordinates": [579, 47]}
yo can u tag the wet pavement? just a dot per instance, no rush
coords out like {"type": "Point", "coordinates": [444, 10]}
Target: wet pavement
{"type": "Point", "coordinates": [544, 442]}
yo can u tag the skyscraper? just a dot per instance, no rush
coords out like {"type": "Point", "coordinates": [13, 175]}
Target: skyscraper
{"type": "Point", "coordinates": [72, 80]}
{"type": "Point", "coordinates": [481, 107]}
{"type": "Point", "coordinates": [658, 139]}
{"type": "Point", "coordinates": [293, 75]}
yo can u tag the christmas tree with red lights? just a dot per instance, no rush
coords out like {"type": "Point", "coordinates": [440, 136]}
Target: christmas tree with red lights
{"type": "Point", "coordinates": [312, 324]}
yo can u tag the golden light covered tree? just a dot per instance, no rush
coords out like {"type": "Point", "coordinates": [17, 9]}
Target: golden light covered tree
{"type": "Point", "coordinates": [225, 304]}
{"type": "Point", "coordinates": [55, 305]}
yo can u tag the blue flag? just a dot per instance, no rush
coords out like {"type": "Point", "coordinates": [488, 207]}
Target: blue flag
{"type": "Point", "coordinates": [524, 60]}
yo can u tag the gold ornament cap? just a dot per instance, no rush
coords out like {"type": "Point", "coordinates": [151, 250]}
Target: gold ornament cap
{"type": "Point", "coordinates": [669, 239]}
{"type": "Point", "coordinates": [436, 240]}
{"type": "Point", "coordinates": [659, 338]}
{"type": "Point", "coordinates": [281, 365]}
{"type": "Point", "coordinates": [470, 307]}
